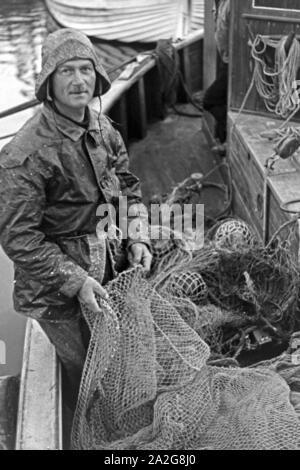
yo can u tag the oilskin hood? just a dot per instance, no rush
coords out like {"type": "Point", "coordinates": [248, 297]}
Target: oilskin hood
{"type": "Point", "coordinates": [66, 44]}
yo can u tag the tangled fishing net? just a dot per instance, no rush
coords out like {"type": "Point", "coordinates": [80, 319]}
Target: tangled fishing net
{"type": "Point", "coordinates": [245, 286]}
{"type": "Point", "coordinates": [151, 380]}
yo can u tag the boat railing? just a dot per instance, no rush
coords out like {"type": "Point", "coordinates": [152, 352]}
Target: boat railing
{"type": "Point", "coordinates": [121, 85]}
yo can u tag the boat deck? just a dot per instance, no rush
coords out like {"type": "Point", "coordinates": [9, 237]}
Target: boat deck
{"type": "Point", "coordinates": [172, 150]}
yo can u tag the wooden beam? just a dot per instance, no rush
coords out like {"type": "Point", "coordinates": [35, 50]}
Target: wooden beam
{"type": "Point", "coordinates": [298, 236]}
{"type": "Point", "coordinates": [39, 422]}
{"type": "Point", "coordinates": [270, 19]}
{"type": "Point", "coordinates": [210, 49]}
{"type": "Point", "coordinates": [266, 204]}
{"type": "Point", "coordinates": [137, 113]}
{"type": "Point", "coordinates": [187, 68]}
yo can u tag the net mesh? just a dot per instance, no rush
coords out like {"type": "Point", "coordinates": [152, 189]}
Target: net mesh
{"type": "Point", "coordinates": [149, 381]}
{"type": "Point", "coordinates": [234, 232]}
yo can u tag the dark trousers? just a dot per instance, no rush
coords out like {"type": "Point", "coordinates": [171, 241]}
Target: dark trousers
{"type": "Point", "coordinates": [71, 340]}
{"type": "Point", "coordinates": [215, 101]}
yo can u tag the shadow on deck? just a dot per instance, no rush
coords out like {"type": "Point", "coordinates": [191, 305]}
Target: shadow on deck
{"type": "Point", "coordinates": [173, 149]}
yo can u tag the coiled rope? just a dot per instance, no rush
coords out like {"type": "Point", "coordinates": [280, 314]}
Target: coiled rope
{"type": "Point", "coordinates": [277, 85]}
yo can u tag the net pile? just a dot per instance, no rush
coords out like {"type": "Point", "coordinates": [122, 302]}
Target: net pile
{"type": "Point", "coordinates": [148, 384]}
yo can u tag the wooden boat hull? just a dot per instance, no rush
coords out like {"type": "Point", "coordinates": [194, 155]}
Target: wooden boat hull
{"type": "Point", "coordinates": [39, 421]}
{"type": "Point", "coordinates": [129, 21]}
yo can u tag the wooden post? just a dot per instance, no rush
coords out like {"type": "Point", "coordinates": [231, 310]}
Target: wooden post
{"type": "Point", "coordinates": [209, 66]}
{"type": "Point", "coordinates": [154, 105]}
{"type": "Point", "coordinates": [137, 113]}
{"type": "Point", "coordinates": [39, 424]}
{"type": "Point", "coordinates": [184, 18]}
{"type": "Point", "coordinates": [210, 50]}
{"type": "Point", "coordinates": [298, 237]}
{"type": "Point", "coordinates": [118, 114]}
{"type": "Point", "coordinates": [265, 210]}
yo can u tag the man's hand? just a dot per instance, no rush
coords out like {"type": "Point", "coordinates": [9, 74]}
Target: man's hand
{"type": "Point", "coordinates": [140, 254]}
{"type": "Point", "coordinates": [87, 294]}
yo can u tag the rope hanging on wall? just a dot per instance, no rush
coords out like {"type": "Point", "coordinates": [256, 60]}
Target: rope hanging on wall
{"type": "Point", "coordinates": [277, 84]}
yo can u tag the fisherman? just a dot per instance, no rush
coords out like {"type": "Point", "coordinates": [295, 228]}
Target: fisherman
{"type": "Point", "coordinates": [57, 171]}
{"type": "Point", "coordinates": [215, 97]}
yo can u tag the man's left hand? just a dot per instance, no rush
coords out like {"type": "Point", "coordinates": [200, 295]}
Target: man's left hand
{"type": "Point", "coordinates": [140, 254]}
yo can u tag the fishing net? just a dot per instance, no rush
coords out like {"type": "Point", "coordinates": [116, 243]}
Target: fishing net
{"type": "Point", "coordinates": [162, 368]}
{"type": "Point", "coordinates": [234, 232]}
{"type": "Point", "coordinates": [245, 285]}
{"type": "Point", "coordinates": [148, 382]}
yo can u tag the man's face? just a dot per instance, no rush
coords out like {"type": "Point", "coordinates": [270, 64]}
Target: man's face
{"type": "Point", "coordinates": [74, 84]}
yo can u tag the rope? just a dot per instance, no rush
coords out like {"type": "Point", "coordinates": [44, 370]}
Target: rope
{"type": "Point", "coordinates": [226, 188]}
{"type": "Point", "coordinates": [3, 137]}
{"type": "Point", "coordinates": [284, 207]}
{"type": "Point", "coordinates": [281, 228]}
{"type": "Point", "coordinates": [277, 85]}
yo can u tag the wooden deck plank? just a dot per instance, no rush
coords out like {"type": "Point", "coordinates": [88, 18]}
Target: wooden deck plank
{"type": "Point", "coordinates": [39, 425]}
{"type": "Point", "coordinates": [173, 149]}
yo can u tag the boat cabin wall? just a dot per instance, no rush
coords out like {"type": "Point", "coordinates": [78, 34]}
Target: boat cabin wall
{"type": "Point", "coordinates": [275, 18]}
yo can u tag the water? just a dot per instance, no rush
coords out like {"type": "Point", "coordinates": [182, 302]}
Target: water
{"type": "Point", "coordinates": [22, 30]}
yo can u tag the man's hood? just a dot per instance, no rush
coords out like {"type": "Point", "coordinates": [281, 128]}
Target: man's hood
{"type": "Point", "coordinates": [66, 44]}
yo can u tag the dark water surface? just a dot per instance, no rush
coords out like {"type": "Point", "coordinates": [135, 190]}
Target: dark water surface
{"type": "Point", "coordinates": [22, 29]}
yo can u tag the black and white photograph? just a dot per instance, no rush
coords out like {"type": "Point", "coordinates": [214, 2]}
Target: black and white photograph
{"type": "Point", "coordinates": [150, 227]}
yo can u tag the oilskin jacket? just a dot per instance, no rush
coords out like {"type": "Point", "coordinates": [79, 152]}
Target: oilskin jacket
{"type": "Point", "coordinates": [53, 176]}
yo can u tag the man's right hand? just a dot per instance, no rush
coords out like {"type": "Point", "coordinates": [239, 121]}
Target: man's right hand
{"type": "Point", "coordinates": [87, 294]}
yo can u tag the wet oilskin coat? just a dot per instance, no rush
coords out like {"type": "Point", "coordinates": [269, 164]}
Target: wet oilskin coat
{"type": "Point", "coordinates": [53, 176]}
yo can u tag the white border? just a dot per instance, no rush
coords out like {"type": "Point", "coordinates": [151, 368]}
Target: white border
{"type": "Point", "coordinates": [273, 8]}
